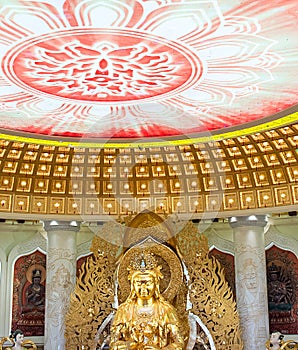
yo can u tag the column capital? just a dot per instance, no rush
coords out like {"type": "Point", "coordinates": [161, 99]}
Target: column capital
{"type": "Point", "coordinates": [54, 225]}
{"type": "Point", "coordinates": [251, 220]}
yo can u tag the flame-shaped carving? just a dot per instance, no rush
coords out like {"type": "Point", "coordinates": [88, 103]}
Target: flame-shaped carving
{"type": "Point", "coordinates": [209, 293]}
{"type": "Point", "coordinates": [93, 297]}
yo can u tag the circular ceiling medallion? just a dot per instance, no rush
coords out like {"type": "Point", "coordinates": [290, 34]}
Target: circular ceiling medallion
{"type": "Point", "coordinates": [145, 71]}
{"type": "Point", "coordinates": [102, 66]}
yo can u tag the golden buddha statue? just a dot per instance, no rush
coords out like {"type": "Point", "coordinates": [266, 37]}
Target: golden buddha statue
{"type": "Point", "coordinates": [146, 320]}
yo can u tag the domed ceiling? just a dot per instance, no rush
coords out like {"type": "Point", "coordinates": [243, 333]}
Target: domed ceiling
{"type": "Point", "coordinates": [109, 84]}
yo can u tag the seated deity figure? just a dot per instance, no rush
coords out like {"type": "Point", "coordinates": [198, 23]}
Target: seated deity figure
{"type": "Point", "coordinates": [35, 294]}
{"type": "Point", "coordinates": [146, 321]}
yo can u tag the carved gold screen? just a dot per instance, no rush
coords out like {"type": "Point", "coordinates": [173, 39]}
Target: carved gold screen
{"type": "Point", "coordinates": [193, 282]}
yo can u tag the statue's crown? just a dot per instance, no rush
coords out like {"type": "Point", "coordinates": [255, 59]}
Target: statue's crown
{"type": "Point", "coordinates": [144, 262]}
{"type": "Point", "coordinates": [36, 273]}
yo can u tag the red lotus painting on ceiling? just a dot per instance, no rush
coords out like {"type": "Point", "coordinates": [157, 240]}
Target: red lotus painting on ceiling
{"type": "Point", "coordinates": [134, 69]}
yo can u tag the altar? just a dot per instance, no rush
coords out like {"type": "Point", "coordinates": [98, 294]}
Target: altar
{"type": "Point", "coordinates": [198, 309]}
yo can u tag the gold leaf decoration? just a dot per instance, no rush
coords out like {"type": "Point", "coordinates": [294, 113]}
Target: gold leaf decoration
{"type": "Point", "coordinates": [92, 300]}
{"type": "Point", "coordinates": [210, 295]}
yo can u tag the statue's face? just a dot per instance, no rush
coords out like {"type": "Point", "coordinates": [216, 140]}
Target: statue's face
{"type": "Point", "coordinates": [144, 286]}
{"type": "Point", "coordinates": [19, 338]}
{"type": "Point", "coordinates": [274, 338]}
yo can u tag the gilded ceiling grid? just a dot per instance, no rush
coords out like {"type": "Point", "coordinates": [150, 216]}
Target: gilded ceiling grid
{"type": "Point", "coordinates": [253, 171]}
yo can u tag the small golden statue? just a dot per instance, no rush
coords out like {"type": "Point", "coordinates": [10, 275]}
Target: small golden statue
{"type": "Point", "coordinates": [146, 320]}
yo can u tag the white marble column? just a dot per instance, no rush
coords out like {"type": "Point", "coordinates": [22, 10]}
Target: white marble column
{"type": "Point", "coordinates": [60, 280]}
{"type": "Point", "coordinates": [251, 282]}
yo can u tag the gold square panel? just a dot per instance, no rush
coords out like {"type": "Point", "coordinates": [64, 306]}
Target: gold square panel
{"type": "Point", "coordinates": [78, 158]}
{"type": "Point", "coordinates": [109, 171]}
{"type": "Point", "coordinates": [174, 170]}
{"type": "Point", "coordinates": [190, 168]}
{"type": "Point", "coordinates": [57, 205]}
{"type": "Point", "coordinates": [125, 159]}
{"type": "Point", "coordinates": [193, 184]}
{"type": "Point", "coordinates": [176, 186]}
{"type": "Point", "coordinates": [142, 171]}
{"type": "Point", "coordinates": [282, 195]}
{"type": "Point", "coordinates": [179, 204]}
{"type": "Point", "coordinates": [256, 162]}
{"type": "Point", "coordinates": [261, 178]}
{"type": "Point", "coordinates": [41, 185]}
{"type": "Point", "coordinates": [227, 182]}
{"type": "Point", "coordinates": [58, 186]}
{"type": "Point", "coordinates": [239, 164]}
{"type": "Point", "coordinates": [271, 159]}
{"type": "Point", "coordinates": [77, 170]}
{"type": "Point", "coordinates": [60, 170]}
{"type": "Point", "coordinates": [210, 183]}
{"type": "Point", "coordinates": [161, 204]}
{"type": "Point", "coordinates": [278, 176]}
{"type": "Point", "coordinates": [223, 166]}
{"type": "Point", "coordinates": [265, 198]}
{"type": "Point", "coordinates": [93, 187]}
{"type": "Point", "coordinates": [231, 201]}
{"type": "Point", "coordinates": [143, 187]}
{"type": "Point", "coordinates": [14, 154]}
{"type": "Point", "coordinates": [172, 158]}
{"type": "Point", "coordinates": [288, 157]}
{"type": "Point", "coordinates": [247, 200]}
{"type": "Point", "coordinates": [46, 157]}
{"type": "Point", "coordinates": [39, 205]}
{"type": "Point", "coordinates": [26, 168]}
{"type": "Point", "coordinates": [21, 203]}
{"type": "Point", "coordinates": [24, 184]}
{"type": "Point", "coordinates": [6, 183]}
{"type": "Point", "coordinates": [9, 167]}
{"type": "Point", "coordinates": [74, 206]}
{"type": "Point", "coordinates": [144, 204]}
{"type": "Point", "coordinates": [294, 190]}
{"type": "Point", "coordinates": [76, 186]}
{"type": "Point", "coordinates": [293, 173]}
{"type": "Point", "coordinates": [244, 180]}
{"type": "Point", "coordinates": [93, 171]}
{"type": "Point", "coordinates": [158, 170]}
{"type": "Point", "coordinates": [92, 206]}
{"type": "Point", "coordinates": [213, 202]}
{"type": "Point", "coordinates": [109, 187]}
{"type": "Point", "coordinates": [196, 204]}
{"type": "Point", "coordinates": [127, 206]}
{"type": "Point", "coordinates": [159, 186]}
{"type": "Point", "coordinates": [207, 168]}
{"type": "Point", "coordinates": [5, 202]}
{"type": "Point", "coordinates": [126, 172]}
{"type": "Point", "coordinates": [110, 206]}
{"type": "Point", "coordinates": [62, 158]}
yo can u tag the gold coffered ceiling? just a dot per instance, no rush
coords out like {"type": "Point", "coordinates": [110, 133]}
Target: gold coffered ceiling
{"type": "Point", "coordinates": [242, 173]}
